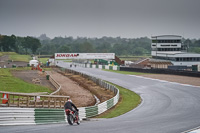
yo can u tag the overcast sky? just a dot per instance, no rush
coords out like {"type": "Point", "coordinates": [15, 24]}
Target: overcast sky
{"type": "Point", "coordinates": [97, 18]}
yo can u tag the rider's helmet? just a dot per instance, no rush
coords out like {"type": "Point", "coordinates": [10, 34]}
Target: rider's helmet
{"type": "Point", "coordinates": [69, 100]}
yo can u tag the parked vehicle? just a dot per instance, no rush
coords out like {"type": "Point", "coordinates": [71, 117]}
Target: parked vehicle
{"type": "Point", "coordinates": [33, 62]}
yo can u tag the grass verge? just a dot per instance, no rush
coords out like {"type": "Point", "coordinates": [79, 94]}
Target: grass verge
{"type": "Point", "coordinates": [12, 84]}
{"type": "Point", "coordinates": [17, 57]}
{"type": "Point", "coordinates": [128, 101]}
{"type": "Point", "coordinates": [126, 72]}
{"type": "Point", "coordinates": [43, 60]}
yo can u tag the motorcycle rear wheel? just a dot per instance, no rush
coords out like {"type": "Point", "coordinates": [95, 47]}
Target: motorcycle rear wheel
{"type": "Point", "coordinates": [70, 119]}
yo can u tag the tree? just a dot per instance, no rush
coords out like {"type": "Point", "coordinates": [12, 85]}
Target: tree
{"type": "Point", "coordinates": [8, 43]}
{"type": "Point", "coordinates": [64, 49]}
{"type": "Point", "coordinates": [18, 45]}
{"type": "Point", "coordinates": [139, 51]}
{"type": "Point", "coordinates": [1, 38]}
{"type": "Point", "coordinates": [31, 43]}
{"type": "Point", "coordinates": [35, 44]}
{"type": "Point", "coordinates": [103, 48]}
{"type": "Point", "coordinates": [87, 47]}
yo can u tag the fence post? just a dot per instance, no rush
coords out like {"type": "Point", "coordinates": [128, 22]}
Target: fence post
{"type": "Point", "coordinates": [43, 103]}
{"type": "Point", "coordinates": [54, 102]}
{"type": "Point", "coordinates": [8, 100]}
{"type": "Point", "coordinates": [18, 101]}
{"type": "Point", "coordinates": [35, 102]}
{"type": "Point", "coordinates": [27, 101]}
{"type": "Point", "coordinates": [48, 102]}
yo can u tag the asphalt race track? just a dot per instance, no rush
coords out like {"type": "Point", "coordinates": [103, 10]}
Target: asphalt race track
{"type": "Point", "coordinates": [166, 108]}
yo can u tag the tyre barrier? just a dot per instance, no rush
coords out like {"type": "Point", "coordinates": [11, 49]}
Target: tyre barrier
{"type": "Point", "coordinates": [30, 116]}
{"type": "Point", "coordinates": [108, 67]}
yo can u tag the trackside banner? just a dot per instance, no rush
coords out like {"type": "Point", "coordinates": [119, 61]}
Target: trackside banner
{"type": "Point", "coordinates": [84, 55]}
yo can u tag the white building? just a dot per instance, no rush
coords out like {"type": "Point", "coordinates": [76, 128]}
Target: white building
{"type": "Point", "coordinates": [170, 47]}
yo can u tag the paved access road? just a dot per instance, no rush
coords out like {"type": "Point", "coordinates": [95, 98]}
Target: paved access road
{"type": "Point", "coordinates": [166, 108]}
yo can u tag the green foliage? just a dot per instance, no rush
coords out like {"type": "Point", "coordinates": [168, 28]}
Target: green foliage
{"type": "Point", "coordinates": [129, 100]}
{"type": "Point", "coordinates": [192, 45]}
{"type": "Point", "coordinates": [13, 84]}
{"type": "Point", "coordinates": [7, 43]}
{"type": "Point", "coordinates": [120, 46]}
{"type": "Point", "coordinates": [195, 49]}
{"type": "Point", "coordinates": [31, 43]}
{"type": "Point", "coordinates": [19, 44]}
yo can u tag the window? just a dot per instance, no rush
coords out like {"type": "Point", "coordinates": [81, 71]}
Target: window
{"type": "Point", "coordinates": [154, 41]}
{"type": "Point", "coordinates": [165, 45]}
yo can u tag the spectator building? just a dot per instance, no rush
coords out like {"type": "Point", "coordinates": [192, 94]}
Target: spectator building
{"type": "Point", "coordinates": [171, 48]}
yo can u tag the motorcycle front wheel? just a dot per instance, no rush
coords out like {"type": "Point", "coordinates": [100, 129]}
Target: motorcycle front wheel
{"type": "Point", "coordinates": [70, 119]}
{"type": "Point", "coordinates": [78, 122]}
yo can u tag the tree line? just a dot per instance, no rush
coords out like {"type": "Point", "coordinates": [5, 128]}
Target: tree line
{"type": "Point", "coordinates": [21, 45]}
{"type": "Point", "coordinates": [120, 46]}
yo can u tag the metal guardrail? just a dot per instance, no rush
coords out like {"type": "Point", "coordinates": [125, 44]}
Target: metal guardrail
{"type": "Point", "coordinates": [16, 116]}
{"type": "Point", "coordinates": [55, 83]}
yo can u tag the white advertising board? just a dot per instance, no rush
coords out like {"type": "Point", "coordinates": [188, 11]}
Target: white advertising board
{"type": "Point", "coordinates": [84, 55]}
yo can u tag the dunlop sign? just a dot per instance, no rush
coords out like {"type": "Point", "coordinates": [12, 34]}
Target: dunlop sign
{"type": "Point", "coordinates": [84, 55]}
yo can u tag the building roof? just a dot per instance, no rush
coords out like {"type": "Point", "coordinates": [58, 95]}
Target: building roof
{"type": "Point", "coordinates": [166, 36]}
{"type": "Point", "coordinates": [183, 54]}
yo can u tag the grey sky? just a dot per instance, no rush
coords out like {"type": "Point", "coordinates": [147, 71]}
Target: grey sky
{"type": "Point", "coordinates": [97, 18]}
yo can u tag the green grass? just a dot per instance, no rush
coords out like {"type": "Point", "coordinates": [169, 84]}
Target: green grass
{"type": "Point", "coordinates": [18, 57]}
{"type": "Point", "coordinates": [7, 53]}
{"type": "Point", "coordinates": [128, 101]}
{"type": "Point", "coordinates": [43, 60]}
{"type": "Point", "coordinates": [12, 84]}
{"type": "Point", "coordinates": [125, 72]}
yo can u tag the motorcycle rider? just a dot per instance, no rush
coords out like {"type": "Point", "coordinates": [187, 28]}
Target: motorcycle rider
{"type": "Point", "coordinates": [71, 106]}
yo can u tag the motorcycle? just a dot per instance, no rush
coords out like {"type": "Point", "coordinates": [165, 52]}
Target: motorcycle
{"type": "Point", "coordinates": [72, 117]}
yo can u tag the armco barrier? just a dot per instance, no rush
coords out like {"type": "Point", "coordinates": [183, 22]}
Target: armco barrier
{"type": "Point", "coordinates": [43, 116]}
{"type": "Point", "coordinates": [162, 71]}
{"type": "Point", "coordinates": [29, 116]}
{"type": "Point", "coordinates": [16, 116]}
{"type": "Point", "coordinates": [23, 116]}
{"type": "Point", "coordinates": [55, 83]}
{"type": "Point", "coordinates": [99, 66]}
